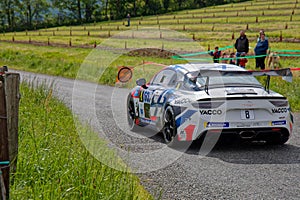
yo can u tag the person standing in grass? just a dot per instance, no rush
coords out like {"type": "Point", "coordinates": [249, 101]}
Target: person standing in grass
{"type": "Point", "coordinates": [261, 31]}
{"type": "Point", "coordinates": [241, 45]}
{"type": "Point", "coordinates": [128, 19]}
{"type": "Point", "coordinates": [260, 50]}
{"type": "Point", "coordinates": [215, 54]}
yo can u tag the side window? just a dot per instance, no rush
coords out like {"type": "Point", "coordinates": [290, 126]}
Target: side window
{"type": "Point", "coordinates": [166, 77]}
{"type": "Point", "coordinates": [157, 78]}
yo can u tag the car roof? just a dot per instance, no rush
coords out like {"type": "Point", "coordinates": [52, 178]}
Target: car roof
{"type": "Point", "coordinates": [190, 67]}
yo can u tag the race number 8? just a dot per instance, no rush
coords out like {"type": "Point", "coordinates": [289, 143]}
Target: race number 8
{"type": "Point", "coordinates": [247, 114]}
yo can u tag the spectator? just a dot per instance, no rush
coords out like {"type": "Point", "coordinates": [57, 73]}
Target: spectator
{"type": "Point", "coordinates": [261, 31]}
{"type": "Point", "coordinates": [224, 58]}
{"type": "Point", "coordinates": [231, 60]}
{"type": "Point", "coordinates": [243, 60]}
{"type": "Point", "coordinates": [241, 45]}
{"type": "Point", "coordinates": [260, 50]}
{"type": "Point", "coordinates": [128, 19]}
{"type": "Point", "coordinates": [215, 54]}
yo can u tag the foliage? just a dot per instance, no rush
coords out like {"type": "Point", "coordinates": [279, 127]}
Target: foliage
{"type": "Point", "coordinates": [31, 14]}
{"type": "Point", "coordinates": [65, 61]}
{"type": "Point", "coordinates": [53, 163]}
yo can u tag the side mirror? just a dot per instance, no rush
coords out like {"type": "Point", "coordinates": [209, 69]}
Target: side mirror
{"type": "Point", "coordinates": [141, 82]}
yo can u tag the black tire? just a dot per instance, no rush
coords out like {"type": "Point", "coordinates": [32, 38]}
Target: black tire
{"type": "Point", "coordinates": [278, 140]}
{"type": "Point", "coordinates": [169, 130]}
{"type": "Point", "coordinates": [131, 116]}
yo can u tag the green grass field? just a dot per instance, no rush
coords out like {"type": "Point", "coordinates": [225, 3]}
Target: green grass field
{"type": "Point", "coordinates": [54, 164]}
{"type": "Point", "coordinates": [48, 171]}
{"type": "Point", "coordinates": [212, 26]}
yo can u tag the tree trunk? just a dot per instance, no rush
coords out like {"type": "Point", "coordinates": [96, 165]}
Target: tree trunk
{"type": "Point", "coordinates": [79, 10]}
{"type": "Point", "coordinates": [7, 5]}
{"type": "Point", "coordinates": [134, 8]}
{"type": "Point", "coordinates": [88, 12]}
{"type": "Point", "coordinates": [29, 15]}
{"type": "Point", "coordinates": [106, 10]}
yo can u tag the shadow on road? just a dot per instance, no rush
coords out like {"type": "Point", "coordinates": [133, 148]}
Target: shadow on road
{"type": "Point", "coordinates": [239, 152]}
{"type": "Point", "coordinates": [252, 153]}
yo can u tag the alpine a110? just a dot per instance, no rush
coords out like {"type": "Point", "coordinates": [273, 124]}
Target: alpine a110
{"type": "Point", "coordinates": [188, 101]}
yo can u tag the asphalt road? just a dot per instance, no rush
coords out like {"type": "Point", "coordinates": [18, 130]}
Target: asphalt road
{"type": "Point", "coordinates": [229, 171]}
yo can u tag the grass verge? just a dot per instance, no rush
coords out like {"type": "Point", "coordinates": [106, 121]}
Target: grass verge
{"type": "Point", "coordinates": [53, 163]}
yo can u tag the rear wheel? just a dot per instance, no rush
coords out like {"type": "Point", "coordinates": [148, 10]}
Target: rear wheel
{"type": "Point", "coordinates": [131, 116]}
{"type": "Point", "coordinates": [278, 140]}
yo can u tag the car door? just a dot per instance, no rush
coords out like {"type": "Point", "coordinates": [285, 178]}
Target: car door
{"type": "Point", "coordinates": [152, 97]}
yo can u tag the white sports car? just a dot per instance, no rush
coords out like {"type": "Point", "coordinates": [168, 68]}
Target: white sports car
{"type": "Point", "coordinates": [188, 101]}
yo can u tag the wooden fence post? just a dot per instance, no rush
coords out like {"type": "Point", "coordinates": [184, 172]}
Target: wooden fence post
{"type": "Point", "coordinates": [4, 154]}
{"type": "Point", "coordinates": [9, 111]}
{"type": "Point", "coordinates": [12, 93]}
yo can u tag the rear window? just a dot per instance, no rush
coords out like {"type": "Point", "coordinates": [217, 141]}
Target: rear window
{"type": "Point", "coordinates": [221, 81]}
{"type": "Point", "coordinates": [229, 80]}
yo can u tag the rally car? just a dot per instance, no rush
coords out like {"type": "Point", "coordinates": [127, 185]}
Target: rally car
{"type": "Point", "coordinates": [187, 101]}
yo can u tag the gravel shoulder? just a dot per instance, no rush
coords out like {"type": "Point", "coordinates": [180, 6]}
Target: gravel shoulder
{"type": "Point", "coordinates": [237, 171]}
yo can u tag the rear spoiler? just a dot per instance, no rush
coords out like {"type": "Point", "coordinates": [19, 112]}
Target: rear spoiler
{"type": "Point", "coordinates": [286, 75]}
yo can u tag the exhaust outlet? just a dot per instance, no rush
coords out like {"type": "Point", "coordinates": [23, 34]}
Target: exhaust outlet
{"type": "Point", "coordinates": [247, 134]}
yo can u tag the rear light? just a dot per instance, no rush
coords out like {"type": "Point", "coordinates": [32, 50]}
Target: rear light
{"type": "Point", "coordinates": [276, 129]}
{"type": "Point", "coordinates": [281, 103]}
{"type": "Point", "coordinates": [204, 105]}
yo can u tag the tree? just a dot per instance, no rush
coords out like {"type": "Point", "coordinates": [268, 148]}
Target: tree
{"type": "Point", "coordinates": [180, 4]}
{"type": "Point", "coordinates": [7, 12]}
{"type": "Point", "coordinates": [118, 8]}
{"type": "Point", "coordinates": [79, 10]}
{"type": "Point", "coordinates": [69, 9]}
{"type": "Point", "coordinates": [152, 7]}
{"type": "Point", "coordinates": [166, 4]}
{"type": "Point", "coordinates": [106, 9]}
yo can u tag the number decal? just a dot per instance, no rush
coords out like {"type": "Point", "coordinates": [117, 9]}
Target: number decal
{"type": "Point", "coordinates": [247, 114]}
{"type": "Point", "coordinates": [145, 96]}
{"type": "Point", "coordinates": [141, 96]}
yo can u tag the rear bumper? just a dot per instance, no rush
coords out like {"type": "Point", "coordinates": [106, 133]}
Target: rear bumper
{"type": "Point", "coordinates": [252, 134]}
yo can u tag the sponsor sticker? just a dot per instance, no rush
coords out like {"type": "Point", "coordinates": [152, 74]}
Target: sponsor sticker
{"type": "Point", "coordinates": [280, 110]}
{"type": "Point", "coordinates": [210, 112]}
{"type": "Point", "coordinates": [216, 124]}
{"type": "Point", "coordinates": [249, 124]}
{"type": "Point", "coordinates": [182, 101]}
{"type": "Point", "coordinates": [276, 123]}
{"type": "Point", "coordinates": [146, 121]}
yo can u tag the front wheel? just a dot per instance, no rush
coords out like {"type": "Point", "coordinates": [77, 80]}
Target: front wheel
{"type": "Point", "coordinates": [131, 116]}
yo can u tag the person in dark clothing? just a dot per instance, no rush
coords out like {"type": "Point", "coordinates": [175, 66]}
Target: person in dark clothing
{"type": "Point", "coordinates": [128, 19]}
{"type": "Point", "coordinates": [241, 45]}
{"type": "Point", "coordinates": [260, 50]}
{"type": "Point", "coordinates": [232, 59]}
{"type": "Point", "coordinates": [215, 54]}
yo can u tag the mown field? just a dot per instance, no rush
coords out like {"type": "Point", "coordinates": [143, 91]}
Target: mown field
{"type": "Point", "coordinates": [64, 51]}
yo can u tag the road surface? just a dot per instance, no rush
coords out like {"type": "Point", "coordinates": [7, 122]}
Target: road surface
{"type": "Point", "coordinates": [237, 171]}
